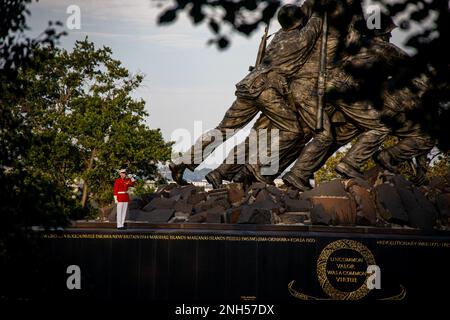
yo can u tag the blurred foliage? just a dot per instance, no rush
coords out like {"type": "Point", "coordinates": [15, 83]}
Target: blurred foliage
{"type": "Point", "coordinates": [64, 117]}
{"type": "Point", "coordinates": [242, 16]}
{"type": "Point", "coordinates": [27, 197]}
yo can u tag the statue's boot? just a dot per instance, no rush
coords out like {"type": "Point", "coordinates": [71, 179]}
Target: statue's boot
{"type": "Point", "coordinates": [214, 178]}
{"type": "Point", "coordinates": [255, 171]}
{"type": "Point", "coordinates": [347, 171]}
{"type": "Point", "coordinates": [177, 173]}
{"type": "Point", "coordinates": [384, 160]}
{"type": "Point", "coordinates": [245, 177]}
{"type": "Point", "coordinates": [291, 180]}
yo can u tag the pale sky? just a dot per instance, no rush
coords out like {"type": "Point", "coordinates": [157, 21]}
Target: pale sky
{"type": "Point", "coordinates": [185, 79]}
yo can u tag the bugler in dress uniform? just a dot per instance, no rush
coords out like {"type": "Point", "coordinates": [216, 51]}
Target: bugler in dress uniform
{"type": "Point", "coordinates": [121, 197]}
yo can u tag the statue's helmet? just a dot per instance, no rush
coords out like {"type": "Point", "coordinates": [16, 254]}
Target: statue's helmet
{"type": "Point", "coordinates": [290, 16]}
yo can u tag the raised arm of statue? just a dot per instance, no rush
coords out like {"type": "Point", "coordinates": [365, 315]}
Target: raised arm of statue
{"type": "Point", "coordinates": [290, 49]}
{"type": "Point", "coordinates": [308, 7]}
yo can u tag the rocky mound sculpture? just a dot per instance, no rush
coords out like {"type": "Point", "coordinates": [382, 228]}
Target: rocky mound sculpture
{"type": "Point", "coordinates": [385, 200]}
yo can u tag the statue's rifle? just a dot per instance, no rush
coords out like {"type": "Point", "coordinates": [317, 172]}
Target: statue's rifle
{"type": "Point", "coordinates": [322, 74]}
{"type": "Point", "coordinates": [261, 49]}
{"type": "Point", "coordinates": [413, 167]}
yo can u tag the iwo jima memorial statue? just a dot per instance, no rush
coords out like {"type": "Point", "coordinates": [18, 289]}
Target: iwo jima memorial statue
{"type": "Point", "coordinates": [322, 81]}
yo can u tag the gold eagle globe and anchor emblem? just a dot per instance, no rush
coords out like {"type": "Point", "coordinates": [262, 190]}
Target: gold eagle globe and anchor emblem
{"type": "Point", "coordinates": [342, 272]}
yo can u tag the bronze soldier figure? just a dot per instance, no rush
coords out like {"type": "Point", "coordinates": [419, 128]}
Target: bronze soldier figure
{"type": "Point", "coordinates": [289, 146]}
{"type": "Point", "coordinates": [264, 89]}
{"type": "Point", "coordinates": [307, 78]}
{"type": "Point", "coordinates": [365, 121]}
{"type": "Point", "coordinates": [305, 90]}
{"type": "Point", "coordinates": [338, 128]}
{"type": "Point", "coordinates": [413, 143]}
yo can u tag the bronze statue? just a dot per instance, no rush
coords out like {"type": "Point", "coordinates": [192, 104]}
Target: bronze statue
{"type": "Point", "coordinates": [372, 130]}
{"type": "Point", "coordinates": [264, 88]}
{"type": "Point", "coordinates": [311, 54]}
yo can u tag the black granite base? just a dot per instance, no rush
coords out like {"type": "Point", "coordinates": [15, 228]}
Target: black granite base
{"type": "Point", "coordinates": [241, 264]}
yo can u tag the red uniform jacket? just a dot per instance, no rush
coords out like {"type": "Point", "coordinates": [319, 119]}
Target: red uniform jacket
{"type": "Point", "coordinates": [120, 189]}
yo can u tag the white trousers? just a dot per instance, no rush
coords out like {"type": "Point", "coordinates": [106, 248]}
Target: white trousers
{"type": "Point", "coordinates": [121, 213]}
